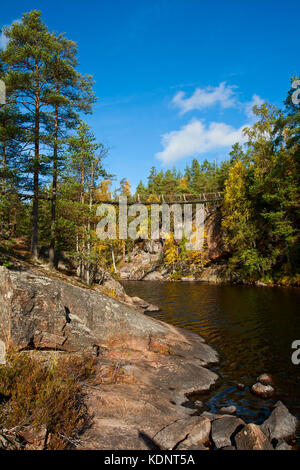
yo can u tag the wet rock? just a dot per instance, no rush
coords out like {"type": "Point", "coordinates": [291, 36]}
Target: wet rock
{"type": "Point", "coordinates": [281, 424]}
{"type": "Point", "coordinates": [263, 391]}
{"type": "Point", "coordinates": [152, 308]}
{"type": "Point", "coordinates": [265, 379]}
{"type": "Point", "coordinates": [252, 438]}
{"type": "Point", "coordinates": [196, 429]}
{"type": "Point", "coordinates": [229, 410]}
{"type": "Point", "coordinates": [241, 386]}
{"type": "Point", "coordinates": [223, 429]}
{"type": "Point", "coordinates": [144, 305]}
{"type": "Point", "coordinates": [261, 284]}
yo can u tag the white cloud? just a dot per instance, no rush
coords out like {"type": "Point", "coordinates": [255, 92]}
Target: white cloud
{"type": "Point", "coordinates": [202, 98]}
{"type": "Point", "coordinates": [3, 38]}
{"type": "Point", "coordinates": [3, 41]}
{"type": "Point", "coordinates": [195, 138]}
{"type": "Point", "coordinates": [256, 101]}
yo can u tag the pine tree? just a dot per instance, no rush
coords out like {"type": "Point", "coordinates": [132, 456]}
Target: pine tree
{"type": "Point", "coordinates": [85, 168]}
{"type": "Point", "coordinates": [196, 177]}
{"type": "Point", "coordinates": [26, 58]}
{"type": "Point", "coordinates": [69, 92]}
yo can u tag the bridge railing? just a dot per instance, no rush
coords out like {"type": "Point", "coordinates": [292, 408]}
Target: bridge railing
{"type": "Point", "coordinates": [167, 198]}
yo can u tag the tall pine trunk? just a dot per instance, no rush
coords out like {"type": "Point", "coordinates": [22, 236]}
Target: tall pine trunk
{"type": "Point", "coordinates": [3, 187]}
{"type": "Point", "coordinates": [36, 169]}
{"type": "Point", "coordinates": [54, 191]}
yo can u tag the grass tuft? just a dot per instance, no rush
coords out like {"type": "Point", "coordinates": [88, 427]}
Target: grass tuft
{"type": "Point", "coordinates": [45, 396]}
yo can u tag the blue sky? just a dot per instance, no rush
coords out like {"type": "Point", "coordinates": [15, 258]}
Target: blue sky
{"type": "Point", "coordinates": [175, 78]}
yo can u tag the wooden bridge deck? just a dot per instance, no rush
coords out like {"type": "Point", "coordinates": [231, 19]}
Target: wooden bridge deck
{"type": "Point", "coordinates": [169, 199]}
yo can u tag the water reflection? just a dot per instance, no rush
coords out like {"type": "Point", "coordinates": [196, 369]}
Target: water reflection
{"type": "Point", "coordinates": [252, 328]}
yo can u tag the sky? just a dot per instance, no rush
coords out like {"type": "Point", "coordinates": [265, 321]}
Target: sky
{"type": "Point", "coordinates": [176, 79]}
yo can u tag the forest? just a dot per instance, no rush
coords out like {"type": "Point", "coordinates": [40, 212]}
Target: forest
{"type": "Point", "coordinates": [53, 169]}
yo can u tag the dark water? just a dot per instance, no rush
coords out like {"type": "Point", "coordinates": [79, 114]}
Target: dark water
{"type": "Point", "coordinates": [252, 328]}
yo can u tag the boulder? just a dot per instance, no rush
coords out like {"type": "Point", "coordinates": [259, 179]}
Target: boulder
{"type": "Point", "coordinates": [252, 438]}
{"type": "Point", "coordinates": [229, 410]}
{"type": "Point", "coordinates": [152, 308]}
{"type": "Point", "coordinates": [139, 264]}
{"type": "Point", "coordinates": [154, 276]}
{"type": "Point", "coordinates": [223, 429]}
{"type": "Point", "coordinates": [190, 446]}
{"type": "Point", "coordinates": [263, 391]}
{"type": "Point", "coordinates": [195, 430]}
{"type": "Point", "coordinates": [281, 424]}
{"type": "Point", "coordinates": [144, 305]}
{"type": "Point", "coordinates": [265, 379]}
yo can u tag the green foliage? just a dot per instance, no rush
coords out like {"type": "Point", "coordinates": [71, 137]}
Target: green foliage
{"type": "Point", "coordinates": [261, 200]}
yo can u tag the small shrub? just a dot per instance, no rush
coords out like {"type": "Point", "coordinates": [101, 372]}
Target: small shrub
{"type": "Point", "coordinates": [176, 276]}
{"type": "Point", "coordinates": [45, 396]}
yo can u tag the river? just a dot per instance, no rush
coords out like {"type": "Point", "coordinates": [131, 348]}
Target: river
{"type": "Point", "coordinates": [252, 328]}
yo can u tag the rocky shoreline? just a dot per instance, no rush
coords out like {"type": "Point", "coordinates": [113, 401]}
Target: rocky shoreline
{"type": "Point", "coordinates": [158, 369]}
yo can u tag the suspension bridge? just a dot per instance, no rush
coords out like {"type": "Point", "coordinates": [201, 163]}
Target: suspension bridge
{"type": "Point", "coordinates": [202, 198]}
